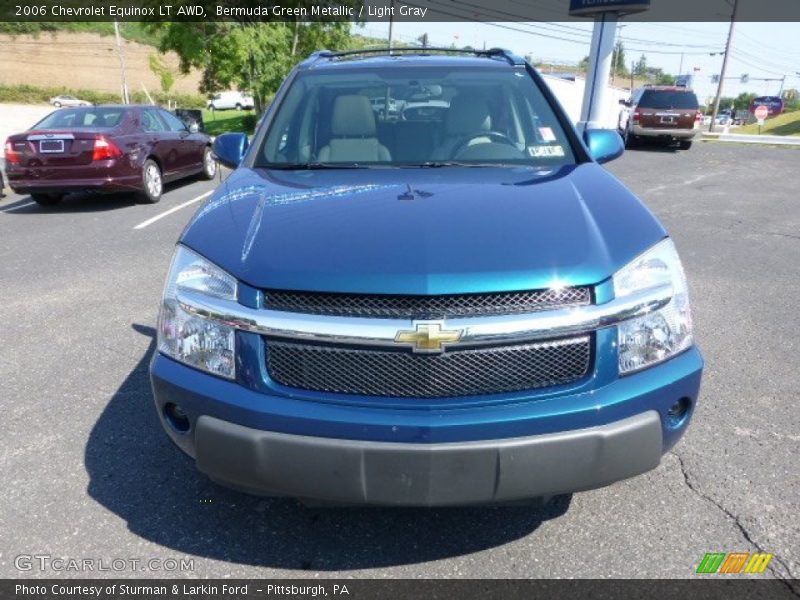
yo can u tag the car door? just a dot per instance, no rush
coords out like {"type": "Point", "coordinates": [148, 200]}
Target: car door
{"type": "Point", "coordinates": [164, 144]}
{"type": "Point", "coordinates": [190, 146]}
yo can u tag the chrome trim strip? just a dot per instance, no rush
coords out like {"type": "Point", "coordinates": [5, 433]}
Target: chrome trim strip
{"type": "Point", "coordinates": [477, 331]}
{"type": "Point", "coordinates": [50, 136]}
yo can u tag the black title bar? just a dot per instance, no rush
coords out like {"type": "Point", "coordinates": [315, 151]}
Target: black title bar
{"type": "Point", "coordinates": [425, 11]}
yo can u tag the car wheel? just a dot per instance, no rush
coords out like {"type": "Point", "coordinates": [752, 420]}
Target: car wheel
{"type": "Point", "coordinates": [57, 104]}
{"type": "Point", "coordinates": [46, 199]}
{"type": "Point", "coordinates": [152, 182]}
{"type": "Point", "coordinates": [685, 144]}
{"type": "Point", "coordinates": [209, 165]}
{"type": "Point", "coordinates": [211, 107]}
{"type": "Point", "coordinates": [238, 106]}
{"type": "Point", "coordinates": [628, 137]}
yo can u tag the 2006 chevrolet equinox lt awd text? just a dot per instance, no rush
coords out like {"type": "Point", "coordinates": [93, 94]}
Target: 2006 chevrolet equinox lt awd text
{"type": "Point", "coordinates": [448, 303]}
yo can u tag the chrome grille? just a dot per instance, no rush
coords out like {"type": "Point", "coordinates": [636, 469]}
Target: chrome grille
{"type": "Point", "coordinates": [426, 307]}
{"type": "Point", "coordinates": [405, 374]}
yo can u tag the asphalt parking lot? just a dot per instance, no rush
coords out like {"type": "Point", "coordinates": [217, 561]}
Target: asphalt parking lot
{"type": "Point", "coordinates": [88, 472]}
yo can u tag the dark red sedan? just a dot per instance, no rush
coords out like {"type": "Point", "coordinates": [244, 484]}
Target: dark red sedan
{"type": "Point", "coordinates": [106, 148]}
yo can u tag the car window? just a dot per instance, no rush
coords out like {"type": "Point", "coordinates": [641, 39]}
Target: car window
{"type": "Point", "coordinates": [173, 122]}
{"type": "Point", "coordinates": [414, 116]}
{"type": "Point", "coordinates": [151, 122]}
{"type": "Point", "coordinates": [90, 116]}
{"type": "Point", "coordinates": [668, 99]}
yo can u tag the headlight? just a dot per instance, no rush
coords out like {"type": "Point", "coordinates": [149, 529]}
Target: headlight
{"type": "Point", "coordinates": [650, 339]}
{"type": "Point", "coordinates": [194, 340]}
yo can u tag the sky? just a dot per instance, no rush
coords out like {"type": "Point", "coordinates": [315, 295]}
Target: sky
{"type": "Point", "coordinates": [761, 50]}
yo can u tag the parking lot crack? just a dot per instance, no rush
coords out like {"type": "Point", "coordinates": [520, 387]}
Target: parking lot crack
{"type": "Point", "coordinates": [786, 578]}
{"type": "Point", "coordinates": [780, 234]}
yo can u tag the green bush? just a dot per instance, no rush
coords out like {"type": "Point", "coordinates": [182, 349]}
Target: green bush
{"type": "Point", "coordinates": [28, 94]}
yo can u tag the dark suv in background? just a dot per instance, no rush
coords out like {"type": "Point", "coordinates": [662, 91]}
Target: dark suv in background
{"type": "Point", "coordinates": [665, 113]}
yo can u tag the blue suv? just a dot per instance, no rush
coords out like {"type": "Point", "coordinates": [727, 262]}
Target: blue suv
{"type": "Point", "coordinates": [445, 303]}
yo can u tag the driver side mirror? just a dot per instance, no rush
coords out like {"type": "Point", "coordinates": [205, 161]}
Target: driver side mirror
{"type": "Point", "coordinates": [604, 144]}
{"type": "Point", "coordinates": [229, 149]}
{"type": "Point", "coordinates": [624, 102]}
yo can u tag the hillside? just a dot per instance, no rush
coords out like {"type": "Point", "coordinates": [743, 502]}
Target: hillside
{"type": "Point", "coordinates": [785, 124]}
{"type": "Point", "coordinates": [83, 60]}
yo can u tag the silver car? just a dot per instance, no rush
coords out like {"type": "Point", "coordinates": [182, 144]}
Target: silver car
{"type": "Point", "coordinates": [66, 100]}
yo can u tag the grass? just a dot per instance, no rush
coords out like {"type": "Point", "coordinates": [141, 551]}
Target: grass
{"type": "Point", "coordinates": [224, 121]}
{"type": "Point", "coordinates": [785, 124]}
{"type": "Point", "coordinates": [29, 94]}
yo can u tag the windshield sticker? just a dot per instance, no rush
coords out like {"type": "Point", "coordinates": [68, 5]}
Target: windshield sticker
{"type": "Point", "coordinates": [546, 151]}
{"type": "Point", "coordinates": [547, 134]}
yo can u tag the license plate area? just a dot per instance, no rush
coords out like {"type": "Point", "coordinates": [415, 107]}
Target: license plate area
{"type": "Point", "coordinates": [668, 120]}
{"type": "Point", "coordinates": [51, 146]}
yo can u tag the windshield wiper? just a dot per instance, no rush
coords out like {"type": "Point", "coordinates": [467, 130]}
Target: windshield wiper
{"type": "Point", "coordinates": [438, 164]}
{"type": "Point", "coordinates": [311, 166]}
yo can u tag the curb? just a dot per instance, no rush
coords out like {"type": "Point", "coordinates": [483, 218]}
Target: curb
{"type": "Point", "coordinates": [772, 140]}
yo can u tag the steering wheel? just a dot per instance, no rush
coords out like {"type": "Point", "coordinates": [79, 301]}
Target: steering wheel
{"type": "Point", "coordinates": [495, 136]}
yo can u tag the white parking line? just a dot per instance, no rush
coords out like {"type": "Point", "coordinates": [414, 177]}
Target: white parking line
{"type": "Point", "coordinates": [166, 213]}
{"type": "Point", "coordinates": [17, 207]}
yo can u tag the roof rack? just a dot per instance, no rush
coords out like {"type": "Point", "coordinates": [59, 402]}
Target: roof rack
{"type": "Point", "coordinates": [509, 56]}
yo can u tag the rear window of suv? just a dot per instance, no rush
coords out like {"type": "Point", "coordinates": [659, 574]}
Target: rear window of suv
{"type": "Point", "coordinates": [668, 99]}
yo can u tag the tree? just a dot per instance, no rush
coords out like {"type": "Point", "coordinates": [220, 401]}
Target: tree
{"type": "Point", "coordinates": [640, 68]}
{"type": "Point", "coordinates": [164, 73]}
{"type": "Point", "coordinates": [665, 79]}
{"type": "Point", "coordinates": [249, 54]}
{"type": "Point", "coordinates": [423, 40]}
{"type": "Point", "coordinates": [743, 101]}
{"type": "Point", "coordinates": [620, 66]}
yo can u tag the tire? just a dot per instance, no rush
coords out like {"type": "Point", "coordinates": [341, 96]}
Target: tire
{"type": "Point", "coordinates": [152, 182]}
{"type": "Point", "coordinates": [628, 138]}
{"type": "Point", "coordinates": [209, 165]}
{"type": "Point", "coordinates": [57, 104]}
{"type": "Point", "coordinates": [238, 106]}
{"type": "Point", "coordinates": [46, 199]}
{"type": "Point", "coordinates": [685, 144]}
{"type": "Point", "coordinates": [211, 108]}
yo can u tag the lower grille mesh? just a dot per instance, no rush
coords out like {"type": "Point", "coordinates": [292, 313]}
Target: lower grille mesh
{"type": "Point", "coordinates": [404, 374]}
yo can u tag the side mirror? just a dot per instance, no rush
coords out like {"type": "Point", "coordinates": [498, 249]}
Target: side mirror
{"type": "Point", "coordinates": [604, 144]}
{"type": "Point", "coordinates": [229, 149]}
{"type": "Point", "coordinates": [194, 127]}
{"type": "Point", "coordinates": [624, 102]}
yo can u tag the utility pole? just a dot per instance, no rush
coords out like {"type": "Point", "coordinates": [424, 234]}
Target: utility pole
{"type": "Point", "coordinates": [391, 24]}
{"type": "Point", "coordinates": [633, 68]}
{"type": "Point", "coordinates": [724, 66]}
{"type": "Point", "coordinates": [680, 68]}
{"type": "Point", "coordinates": [780, 91]}
{"type": "Point", "coordinates": [125, 97]}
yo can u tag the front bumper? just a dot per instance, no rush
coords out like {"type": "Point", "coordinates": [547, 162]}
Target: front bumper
{"type": "Point", "coordinates": [428, 455]}
{"type": "Point", "coordinates": [385, 473]}
{"type": "Point", "coordinates": [678, 134]}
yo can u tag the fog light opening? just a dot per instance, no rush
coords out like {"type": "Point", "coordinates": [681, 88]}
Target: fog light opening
{"type": "Point", "coordinates": [677, 413]}
{"type": "Point", "coordinates": [176, 417]}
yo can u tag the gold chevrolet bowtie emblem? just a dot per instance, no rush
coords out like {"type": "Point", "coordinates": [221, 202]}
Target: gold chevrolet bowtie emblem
{"type": "Point", "coordinates": [428, 337]}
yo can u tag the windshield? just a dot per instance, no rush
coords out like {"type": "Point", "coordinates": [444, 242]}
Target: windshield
{"type": "Point", "coordinates": [90, 116]}
{"type": "Point", "coordinates": [667, 99]}
{"type": "Point", "coordinates": [414, 116]}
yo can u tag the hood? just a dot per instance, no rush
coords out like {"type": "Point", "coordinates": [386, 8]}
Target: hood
{"type": "Point", "coordinates": [422, 231]}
